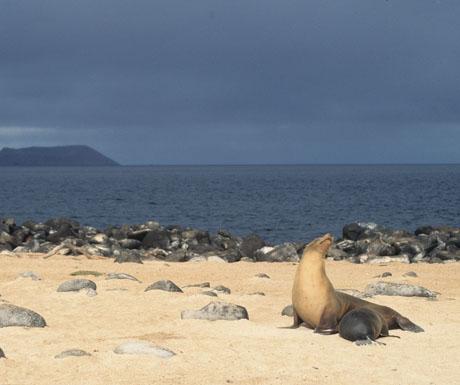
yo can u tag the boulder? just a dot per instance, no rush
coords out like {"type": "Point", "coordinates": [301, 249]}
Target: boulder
{"type": "Point", "coordinates": [217, 311]}
{"type": "Point", "coordinates": [156, 239]}
{"type": "Point", "coordinates": [76, 285]}
{"type": "Point", "coordinates": [144, 348]}
{"type": "Point", "coordinates": [165, 285]}
{"type": "Point", "coordinates": [11, 315]}
{"type": "Point", "coordinates": [281, 253]}
{"type": "Point", "coordinates": [125, 256]}
{"type": "Point", "coordinates": [250, 245]}
{"type": "Point", "coordinates": [399, 289]}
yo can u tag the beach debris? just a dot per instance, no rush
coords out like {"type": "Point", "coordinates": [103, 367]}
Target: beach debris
{"type": "Point", "coordinates": [76, 285]}
{"type": "Point", "coordinates": [400, 289]}
{"type": "Point", "coordinates": [384, 275]}
{"type": "Point", "coordinates": [143, 347]}
{"type": "Point", "coordinates": [261, 293]}
{"type": "Point", "coordinates": [72, 353]}
{"type": "Point", "coordinates": [121, 276]}
{"type": "Point", "coordinates": [165, 285]}
{"type": "Point", "coordinates": [11, 315]}
{"type": "Point", "coordinates": [209, 293]}
{"type": "Point", "coordinates": [217, 311]}
{"type": "Point", "coordinates": [288, 311]}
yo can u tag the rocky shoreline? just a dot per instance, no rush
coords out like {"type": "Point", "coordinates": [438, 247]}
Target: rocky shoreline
{"type": "Point", "coordinates": [359, 243]}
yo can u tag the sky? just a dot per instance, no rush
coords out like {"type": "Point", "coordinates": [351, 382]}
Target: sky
{"type": "Point", "coordinates": [234, 81]}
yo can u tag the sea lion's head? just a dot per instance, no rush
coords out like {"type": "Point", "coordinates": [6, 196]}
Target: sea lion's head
{"type": "Point", "coordinates": [319, 246]}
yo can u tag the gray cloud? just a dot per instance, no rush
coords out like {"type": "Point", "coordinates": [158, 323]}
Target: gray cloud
{"type": "Point", "coordinates": [234, 81]}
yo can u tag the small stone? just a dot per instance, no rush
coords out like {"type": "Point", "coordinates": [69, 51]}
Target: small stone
{"type": "Point", "coordinates": [76, 285]}
{"type": "Point", "coordinates": [262, 275]}
{"type": "Point", "coordinates": [214, 258]}
{"type": "Point", "coordinates": [2, 355]}
{"type": "Point", "coordinates": [217, 311]}
{"type": "Point", "coordinates": [386, 274]}
{"type": "Point", "coordinates": [72, 353]}
{"type": "Point", "coordinates": [86, 272]}
{"type": "Point", "coordinates": [11, 315]}
{"type": "Point", "coordinates": [121, 276]}
{"type": "Point", "coordinates": [288, 311]}
{"type": "Point", "coordinates": [31, 275]}
{"type": "Point", "coordinates": [210, 293]}
{"type": "Point", "coordinates": [257, 293]}
{"type": "Point", "coordinates": [203, 284]}
{"type": "Point", "coordinates": [165, 285]}
{"type": "Point", "coordinates": [222, 289]}
{"type": "Point", "coordinates": [410, 274]}
{"type": "Point", "coordinates": [143, 347]}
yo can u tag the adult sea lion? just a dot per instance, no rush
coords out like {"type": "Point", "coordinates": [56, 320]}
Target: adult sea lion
{"type": "Point", "coordinates": [320, 307]}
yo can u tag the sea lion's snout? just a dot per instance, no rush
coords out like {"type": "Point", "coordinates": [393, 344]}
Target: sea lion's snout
{"type": "Point", "coordinates": [326, 238]}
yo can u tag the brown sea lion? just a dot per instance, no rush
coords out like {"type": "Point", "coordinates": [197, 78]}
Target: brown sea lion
{"type": "Point", "coordinates": [320, 307]}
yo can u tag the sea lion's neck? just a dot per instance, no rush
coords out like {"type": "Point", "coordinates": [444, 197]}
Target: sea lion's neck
{"type": "Point", "coordinates": [312, 264]}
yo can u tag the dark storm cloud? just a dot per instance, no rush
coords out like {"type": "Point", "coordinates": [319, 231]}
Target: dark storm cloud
{"type": "Point", "coordinates": [234, 81]}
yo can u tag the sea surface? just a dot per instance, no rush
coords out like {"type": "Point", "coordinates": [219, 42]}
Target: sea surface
{"type": "Point", "coordinates": [280, 203]}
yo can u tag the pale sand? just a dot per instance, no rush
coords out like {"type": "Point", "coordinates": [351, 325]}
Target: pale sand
{"type": "Point", "coordinates": [222, 352]}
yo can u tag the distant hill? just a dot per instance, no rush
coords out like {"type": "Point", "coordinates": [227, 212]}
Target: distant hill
{"type": "Point", "coordinates": [54, 156]}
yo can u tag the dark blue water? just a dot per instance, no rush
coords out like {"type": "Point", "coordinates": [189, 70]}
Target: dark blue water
{"type": "Point", "coordinates": [280, 203]}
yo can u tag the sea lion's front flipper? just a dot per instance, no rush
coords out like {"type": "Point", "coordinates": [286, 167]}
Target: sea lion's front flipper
{"type": "Point", "coordinates": [328, 323]}
{"type": "Point", "coordinates": [407, 325]}
{"type": "Point", "coordinates": [368, 341]}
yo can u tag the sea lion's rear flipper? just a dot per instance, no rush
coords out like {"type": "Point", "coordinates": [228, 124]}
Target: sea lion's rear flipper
{"type": "Point", "coordinates": [407, 325]}
{"type": "Point", "coordinates": [328, 323]}
{"type": "Point", "coordinates": [368, 341]}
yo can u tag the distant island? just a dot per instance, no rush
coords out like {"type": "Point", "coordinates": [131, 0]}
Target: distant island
{"type": "Point", "coordinates": [78, 155]}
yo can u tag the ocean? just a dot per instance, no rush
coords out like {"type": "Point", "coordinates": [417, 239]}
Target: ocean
{"type": "Point", "coordinates": [280, 203]}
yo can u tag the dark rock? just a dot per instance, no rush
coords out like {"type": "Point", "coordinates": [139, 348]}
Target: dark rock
{"type": "Point", "coordinates": [195, 236]}
{"type": "Point", "coordinates": [64, 231]}
{"type": "Point", "coordinates": [380, 248]}
{"type": "Point", "coordinates": [336, 254]}
{"type": "Point", "coordinates": [156, 239]}
{"type": "Point", "coordinates": [288, 311]}
{"type": "Point", "coordinates": [72, 353]}
{"type": "Point", "coordinates": [179, 255]}
{"type": "Point", "coordinates": [203, 284]}
{"type": "Point", "coordinates": [281, 253]}
{"type": "Point", "coordinates": [222, 289]}
{"type": "Point", "coordinates": [223, 240]}
{"type": "Point", "coordinates": [130, 243]}
{"type": "Point", "coordinates": [384, 275]}
{"type": "Point", "coordinates": [86, 272]}
{"type": "Point", "coordinates": [138, 235]}
{"type": "Point", "coordinates": [250, 245]}
{"type": "Point", "coordinates": [121, 276]}
{"type": "Point", "coordinates": [400, 289]}
{"type": "Point", "coordinates": [11, 315]}
{"type": "Point", "coordinates": [143, 347]}
{"type": "Point", "coordinates": [352, 231]}
{"type": "Point", "coordinates": [124, 256]}
{"type": "Point", "coordinates": [410, 274]}
{"type": "Point", "coordinates": [165, 285]}
{"type": "Point", "coordinates": [424, 230]}
{"type": "Point", "coordinates": [2, 355]}
{"type": "Point", "coordinates": [76, 285]}
{"type": "Point", "coordinates": [217, 311]}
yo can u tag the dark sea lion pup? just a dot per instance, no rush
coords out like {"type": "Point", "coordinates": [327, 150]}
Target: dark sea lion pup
{"type": "Point", "coordinates": [320, 307]}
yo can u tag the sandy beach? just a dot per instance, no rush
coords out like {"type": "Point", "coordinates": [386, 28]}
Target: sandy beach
{"type": "Point", "coordinates": [254, 351]}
